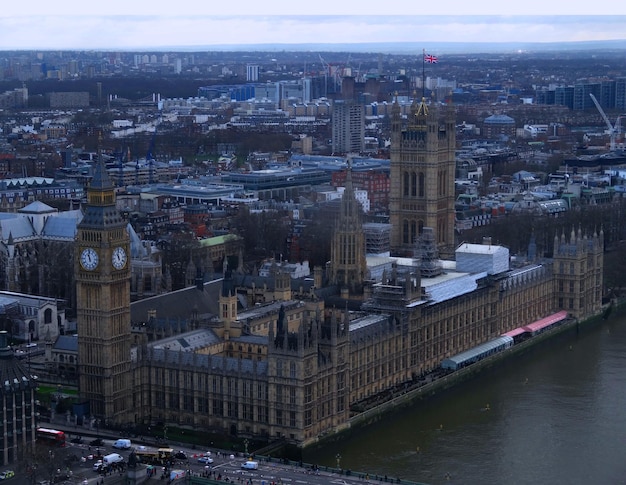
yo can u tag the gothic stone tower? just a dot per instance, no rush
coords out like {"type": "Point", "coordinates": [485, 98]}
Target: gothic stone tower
{"type": "Point", "coordinates": [102, 271]}
{"type": "Point", "coordinates": [308, 377]}
{"type": "Point", "coordinates": [348, 265]}
{"type": "Point", "coordinates": [578, 268]}
{"type": "Point", "coordinates": [422, 177]}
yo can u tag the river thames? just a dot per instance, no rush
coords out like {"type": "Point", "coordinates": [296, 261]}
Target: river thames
{"type": "Point", "coordinates": [556, 415]}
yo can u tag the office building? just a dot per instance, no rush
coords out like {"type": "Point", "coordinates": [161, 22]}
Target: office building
{"type": "Point", "coordinates": [252, 73]}
{"type": "Point", "coordinates": [348, 127]}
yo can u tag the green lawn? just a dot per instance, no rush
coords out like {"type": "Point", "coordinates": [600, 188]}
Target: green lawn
{"type": "Point", "coordinates": [46, 390]}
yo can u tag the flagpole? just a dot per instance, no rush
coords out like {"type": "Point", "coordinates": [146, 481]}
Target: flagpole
{"type": "Point", "coordinates": [423, 73]}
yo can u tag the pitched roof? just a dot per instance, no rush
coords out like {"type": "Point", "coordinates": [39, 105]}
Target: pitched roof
{"type": "Point", "coordinates": [19, 227]}
{"type": "Point", "coordinates": [37, 207]}
{"type": "Point", "coordinates": [179, 304]}
{"type": "Point", "coordinates": [61, 227]}
{"type": "Point", "coordinates": [67, 343]}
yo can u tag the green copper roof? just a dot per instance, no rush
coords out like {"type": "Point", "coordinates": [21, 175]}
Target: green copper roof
{"type": "Point", "coordinates": [217, 240]}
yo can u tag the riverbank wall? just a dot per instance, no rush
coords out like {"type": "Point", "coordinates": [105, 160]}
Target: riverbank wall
{"type": "Point", "coordinates": [439, 386]}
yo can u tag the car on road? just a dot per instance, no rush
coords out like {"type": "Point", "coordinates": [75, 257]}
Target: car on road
{"type": "Point", "coordinates": [180, 455]}
{"type": "Point", "coordinates": [122, 444]}
{"type": "Point", "coordinates": [96, 442]}
{"type": "Point", "coordinates": [7, 474]}
{"type": "Point", "coordinates": [205, 459]}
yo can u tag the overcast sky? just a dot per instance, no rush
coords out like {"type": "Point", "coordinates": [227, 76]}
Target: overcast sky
{"type": "Point", "coordinates": [145, 24]}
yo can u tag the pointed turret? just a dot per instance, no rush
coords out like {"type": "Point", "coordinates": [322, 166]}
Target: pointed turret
{"type": "Point", "coordinates": [348, 264]}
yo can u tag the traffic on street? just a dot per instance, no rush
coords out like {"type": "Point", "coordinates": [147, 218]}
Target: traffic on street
{"type": "Point", "coordinates": [96, 461]}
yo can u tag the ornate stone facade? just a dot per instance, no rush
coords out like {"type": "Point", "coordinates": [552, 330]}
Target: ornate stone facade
{"type": "Point", "coordinates": [248, 359]}
{"type": "Point", "coordinates": [17, 394]}
{"type": "Point", "coordinates": [422, 176]}
{"type": "Point", "coordinates": [102, 273]}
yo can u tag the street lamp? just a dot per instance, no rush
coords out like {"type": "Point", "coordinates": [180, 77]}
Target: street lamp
{"type": "Point", "coordinates": [245, 446]}
{"type": "Point", "coordinates": [338, 457]}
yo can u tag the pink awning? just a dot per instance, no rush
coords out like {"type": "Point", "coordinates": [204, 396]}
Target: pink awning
{"type": "Point", "coordinates": [546, 322]}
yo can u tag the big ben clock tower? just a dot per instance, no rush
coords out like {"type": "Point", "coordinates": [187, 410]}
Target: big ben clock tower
{"type": "Point", "coordinates": [102, 270]}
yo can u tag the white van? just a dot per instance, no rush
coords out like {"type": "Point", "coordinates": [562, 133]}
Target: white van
{"type": "Point", "coordinates": [250, 465]}
{"type": "Point", "coordinates": [122, 444]}
{"type": "Point", "coordinates": [112, 458]}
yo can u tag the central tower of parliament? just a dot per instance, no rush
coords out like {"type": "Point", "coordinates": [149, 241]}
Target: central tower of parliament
{"type": "Point", "coordinates": [271, 359]}
{"type": "Point", "coordinates": [422, 177]}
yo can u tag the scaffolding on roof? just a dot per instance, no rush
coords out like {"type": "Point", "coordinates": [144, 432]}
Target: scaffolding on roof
{"type": "Point", "coordinates": [377, 237]}
{"type": "Point", "coordinates": [426, 255]}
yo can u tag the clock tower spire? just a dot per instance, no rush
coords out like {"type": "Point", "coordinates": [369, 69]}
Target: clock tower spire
{"type": "Point", "coordinates": [102, 272]}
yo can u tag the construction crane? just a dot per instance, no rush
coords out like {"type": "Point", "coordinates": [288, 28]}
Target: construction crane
{"type": "Point", "coordinates": [613, 130]}
{"type": "Point", "coordinates": [327, 74]}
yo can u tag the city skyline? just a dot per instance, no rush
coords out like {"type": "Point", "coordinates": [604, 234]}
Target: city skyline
{"type": "Point", "coordinates": [186, 26]}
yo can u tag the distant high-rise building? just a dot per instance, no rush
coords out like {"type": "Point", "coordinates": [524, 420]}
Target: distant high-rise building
{"type": "Point", "coordinates": [72, 67]}
{"type": "Point", "coordinates": [252, 73]}
{"type": "Point", "coordinates": [620, 93]}
{"type": "Point", "coordinates": [348, 127]}
{"type": "Point", "coordinates": [582, 100]}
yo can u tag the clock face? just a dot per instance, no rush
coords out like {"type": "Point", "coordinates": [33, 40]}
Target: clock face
{"type": "Point", "coordinates": [89, 259]}
{"type": "Point", "coordinates": [118, 258]}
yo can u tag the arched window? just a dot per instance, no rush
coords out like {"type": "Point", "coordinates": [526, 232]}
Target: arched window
{"type": "Point", "coordinates": [413, 184]}
{"type": "Point", "coordinates": [47, 316]}
{"type": "Point", "coordinates": [405, 184]}
{"type": "Point", "coordinates": [405, 232]}
{"type": "Point", "coordinates": [422, 182]}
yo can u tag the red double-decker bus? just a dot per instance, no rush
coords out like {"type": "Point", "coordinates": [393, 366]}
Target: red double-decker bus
{"type": "Point", "coordinates": [51, 437]}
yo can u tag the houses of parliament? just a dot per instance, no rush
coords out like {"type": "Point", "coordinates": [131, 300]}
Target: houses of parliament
{"type": "Point", "coordinates": [274, 358]}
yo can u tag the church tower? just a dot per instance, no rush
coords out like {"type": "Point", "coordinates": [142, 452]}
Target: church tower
{"type": "Point", "coordinates": [422, 177]}
{"type": "Point", "coordinates": [348, 265]}
{"type": "Point", "coordinates": [102, 272]}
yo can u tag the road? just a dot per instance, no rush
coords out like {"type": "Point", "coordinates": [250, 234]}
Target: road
{"type": "Point", "coordinates": [224, 466]}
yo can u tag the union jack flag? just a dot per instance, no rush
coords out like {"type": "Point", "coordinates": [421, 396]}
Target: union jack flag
{"type": "Point", "coordinates": [430, 58]}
